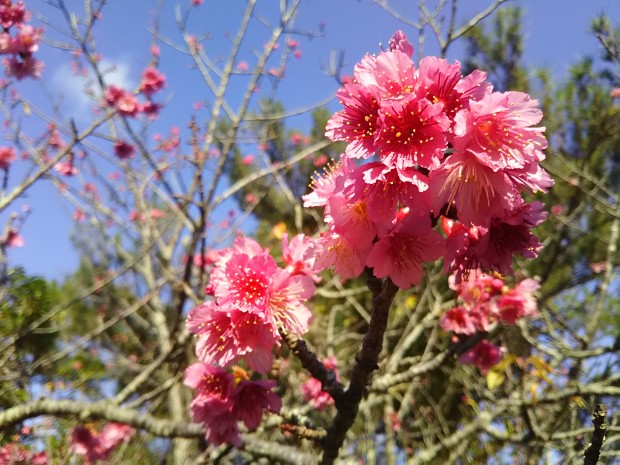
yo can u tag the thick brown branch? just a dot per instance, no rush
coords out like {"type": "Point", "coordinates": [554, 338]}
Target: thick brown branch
{"type": "Point", "coordinates": [366, 362]}
{"type": "Point", "coordinates": [593, 452]}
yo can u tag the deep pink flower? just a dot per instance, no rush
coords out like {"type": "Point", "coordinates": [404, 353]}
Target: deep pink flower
{"type": "Point", "coordinates": [413, 132]}
{"type": "Point", "coordinates": [225, 337]}
{"type": "Point", "coordinates": [484, 355]}
{"type": "Point", "coordinates": [23, 68]}
{"type": "Point", "coordinates": [17, 454]}
{"type": "Point", "coordinates": [7, 156]}
{"type": "Point", "coordinates": [98, 446]}
{"type": "Point", "coordinates": [440, 81]}
{"type": "Point", "coordinates": [123, 150]}
{"type": "Point", "coordinates": [26, 41]}
{"type": "Point", "coordinates": [358, 123]}
{"type": "Point", "coordinates": [214, 385]}
{"type": "Point", "coordinates": [251, 399]}
{"type": "Point", "coordinates": [152, 81]}
{"type": "Point", "coordinates": [508, 235]}
{"type": "Point", "coordinates": [386, 190]}
{"type": "Point", "coordinates": [475, 190]}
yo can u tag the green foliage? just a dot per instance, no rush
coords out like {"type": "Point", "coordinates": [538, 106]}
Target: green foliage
{"type": "Point", "coordinates": [498, 49]}
{"type": "Point", "coordinates": [27, 300]}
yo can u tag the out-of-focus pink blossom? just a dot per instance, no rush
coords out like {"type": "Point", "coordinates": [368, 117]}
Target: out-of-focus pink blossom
{"type": "Point", "coordinates": [152, 81]}
{"type": "Point", "coordinates": [123, 150]}
{"type": "Point", "coordinates": [312, 390]}
{"type": "Point", "coordinates": [484, 355]}
{"type": "Point", "coordinates": [7, 156]}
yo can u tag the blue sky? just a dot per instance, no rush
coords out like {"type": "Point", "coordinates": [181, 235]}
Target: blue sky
{"type": "Point", "coordinates": [556, 35]}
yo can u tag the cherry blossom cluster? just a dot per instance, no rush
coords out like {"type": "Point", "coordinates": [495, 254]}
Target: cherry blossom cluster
{"type": "Point", "coordinates": [439, 146]}
{"type": "Point", "coordinates": [483, 301]}
{"type": "Point", "coordinates": [253, 298]}
{"type": "Point", "coordinates": [14, 453]}
{"type": "Point", "coordinates": [222, 400]}
{"type": "Point", "coordinates": [127, 103]}
{"type": "Point", "coordinates": [19, 41]}
{"type": "Point", "coordinates": [96, 446]}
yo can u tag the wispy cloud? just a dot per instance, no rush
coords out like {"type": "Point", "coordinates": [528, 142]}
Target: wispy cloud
{"type": "Point", "coordinates": [81, 93]}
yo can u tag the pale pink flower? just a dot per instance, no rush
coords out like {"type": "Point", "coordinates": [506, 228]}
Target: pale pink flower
{"type": "Point", "coordinates": [248, 160]}
{"type": "Point", "coordinates": [243, 66]}
{"type": "Point", "coordinates": [475, 190]}
{"type": "Point", "coordinates": [66, 168]}
{"type": "Point", "coordinates": [299, 256]}
{"type": "Point", "coordinates": [338, 252]}
{"type": "Point", "coordinates": [399, 42]}
{"type": "Point", "coordinates": [330, 182]}
{"type": "Point", "coordinates": [498, 130]}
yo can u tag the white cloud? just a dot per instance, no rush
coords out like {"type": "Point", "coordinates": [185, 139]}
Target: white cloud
{"type": "Point", "coordinates": [81, 93]}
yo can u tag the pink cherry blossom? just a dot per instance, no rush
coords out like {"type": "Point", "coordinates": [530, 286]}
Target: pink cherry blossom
{"type": "Point", "coordinates": [23, 68]}
{"type": "Point", "coordinates": [7, 156]}
{"type": "Point", "coordinates": [312, 389]}
{"type": "Point", "coordinates": [251, 399]}
{"type": "Point", "coordinates": [358, 123]}
{"type": "Point", "coordinates": [484, 355]}
{"type": "Point", "coordinates": [401, 254]}
{"type": "Point", "coordinates": [458, 320]}
{"type": "Point", "coordinates": [152, 81]}
{"type": "Point", "coordinates": [413, 132]}
{"type": "Point", "coordinates": [123, 150]}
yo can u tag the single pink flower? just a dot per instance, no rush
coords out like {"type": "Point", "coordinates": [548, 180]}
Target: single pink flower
{"type": "Point", "coordinates": [458, 320]}
{"type": "Point", "coordinates": [312, 389]}
{"type": "Point", "coordinates": [401, 254]}
{"type": "Point", "coordinates": [399, 42]}
{"type": "Point", "coordinates": [7, 156]}
{"type": "Point", "coordinates": [413, 132]}
{"type": "Point", "coordinates": [358, 123]}
{"type": "Point", "coordinates": [484, 355]}
{"type": "Point", "coordinates": [518, 302]}
{"type": "Point", "coordinates": [251, 399]}
{"type": "Point", "coordinates": [152, 81]}
{"type": "Point", "coordinates": [123, 150]}
{"type": "Point", "coordinates": [23, 68]}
